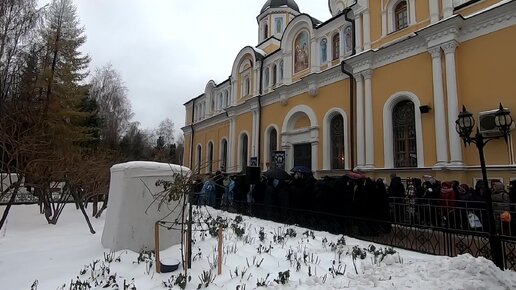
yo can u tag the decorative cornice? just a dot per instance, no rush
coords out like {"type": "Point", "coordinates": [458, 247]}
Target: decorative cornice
{"type": "Point", "coordinates": [489, 21]}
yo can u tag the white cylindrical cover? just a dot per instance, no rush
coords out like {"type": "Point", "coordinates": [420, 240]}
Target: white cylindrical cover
{"type": "Point", "coordinates": [132, 211]}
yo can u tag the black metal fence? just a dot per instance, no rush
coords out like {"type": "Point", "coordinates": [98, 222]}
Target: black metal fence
{"type": "Point", "coordinates": [432, 226]}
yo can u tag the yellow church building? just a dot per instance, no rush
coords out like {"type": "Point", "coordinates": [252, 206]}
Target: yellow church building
{"type": "Point", "coordinates": [376, 88]}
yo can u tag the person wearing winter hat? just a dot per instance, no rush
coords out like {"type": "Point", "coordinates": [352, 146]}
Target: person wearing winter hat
{"type": "Point", "coordinates": [501, 208]}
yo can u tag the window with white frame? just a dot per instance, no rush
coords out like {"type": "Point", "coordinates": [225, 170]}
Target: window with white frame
{"type": "Point", "coordinates": [337, 142]}
{"type": "Point", "coordinates": [226, 100]}
{"type": "Point", "coordinates": [274, 74]}
{"type": "Point", "coordinates": [198, 159]}
{"type": "Point", "coordinates": [335, 46]}
{"type": "Point", "coordinates": [401, 15]}
{"type": "Point", "coordinates": [281, 70]}
{"type": "Point", "coordinates": [224, 155]}
{"type": "Point", "coordinates": [244, 155]}
{"type": "Point", "coordinates": [246, 84]}
{"type": "Point", "coordinates": [210, 157]}
{"type": "Point", "coordinates": [404, 132]}
{"type": "Point", "coordinates": [266, 78]}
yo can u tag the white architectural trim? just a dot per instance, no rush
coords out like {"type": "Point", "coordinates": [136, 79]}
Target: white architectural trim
{"type": "Point", "coordinates": [441, 140]}
{"type": "Point", "coordinates": [367, 29]}
{"type": "Point", "coordinates": [391, 17]}
{"type": "Point", "coordinates": [360, 120]}
{"type": "Point", "coordinates": [288, 124]}
{"type": "Point", "coordinates": [327, 137]}
{"type": "Point", "coordinates": [434, 10]}
{"type": "Point", "coordinates": [198, 158]}
{"type": "Point", "coordinates": [388, 145]}
{"type": "Point", "coordinates": [369, 120]}
{"type": "Point", "coordinates": [449, 49]}
{"type": "Point", "coordinates": [291, 136]}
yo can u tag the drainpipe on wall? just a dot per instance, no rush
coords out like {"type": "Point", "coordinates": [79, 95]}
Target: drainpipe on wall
{"type": "Point", "coordinates": [345, 70]}
{"type": "Point", "coordinates": [260, 116]}
{"type": "Point", "coordinates": [193, 132]}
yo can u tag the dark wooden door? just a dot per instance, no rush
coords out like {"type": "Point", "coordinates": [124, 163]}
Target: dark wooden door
{"type": "Point", "coordinates": [303, 155]}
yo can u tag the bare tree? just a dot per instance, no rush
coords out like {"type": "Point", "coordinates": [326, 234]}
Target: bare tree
{"type": "Point", "coordinates": [166, 131]}
{"type": "Point", "coordinates": [108, 89]}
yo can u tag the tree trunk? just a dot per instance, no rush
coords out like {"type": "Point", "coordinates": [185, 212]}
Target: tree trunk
{"type": "Point", "coordinates": [8, 207]}
{"type": "Point", "coordinates": [77, 201]}
{"type": "Point", "coordinates": [95, 207]}
{"type": "Point", "coordinates": [104, 206]}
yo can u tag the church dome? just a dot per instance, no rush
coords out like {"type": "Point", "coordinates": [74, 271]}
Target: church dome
{"type": "Point", "coordinates": [279, 3]}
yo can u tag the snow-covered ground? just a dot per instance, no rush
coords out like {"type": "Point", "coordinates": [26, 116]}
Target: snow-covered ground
{"type": "Point", "coordinates": [31, 250]}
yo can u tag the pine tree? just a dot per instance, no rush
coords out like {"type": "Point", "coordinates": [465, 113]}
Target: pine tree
{"type": "Point", "coordinates": [63, 71]}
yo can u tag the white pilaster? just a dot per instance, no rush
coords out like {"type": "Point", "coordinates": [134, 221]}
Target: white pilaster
{"type": "Point", "coordinates": [233, 93]}
{"type": "Point", "coordinates": [360, 121]}
{"type": "Point", "coordinates": [257, 79]}
{"type": "Point", "coordinates": [441, 140]}
{"type": "Point", "coordinates": [447, 8]}
{"type": "Point", "coordinates": [315, 165]}
{"type": "Point", "coordinates": [287, 69]}
{"type": "Point", "coordinates": [412, 12]}
{"type": "Point", "coordinates": [314, 56]}
{"type": "Point", "coordinates": [358, 34]}
{"type": "Point", "coordinates": [369, 129]}
{"type": "Point", "coordinates": [367, 30]}
{"type": "Point", "coordinates": [384, 22]}
{"type": "Point", "coordinates": [434, 10]}
{"type": "Point", "coordinates": [453, 104]}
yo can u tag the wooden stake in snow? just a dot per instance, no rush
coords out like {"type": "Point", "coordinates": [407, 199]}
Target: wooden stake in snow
{"type": "Point", "coordinates": [156, 247]}
{"type": "Point", "coordinates": [219, 262]}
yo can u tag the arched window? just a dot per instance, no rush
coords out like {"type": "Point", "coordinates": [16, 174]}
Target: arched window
{"type": "Point", "coordinates": [401, 15]}
{"type": "Point", "coordinates": [265, 31]}
{"type": "Point", "coordinates": [198, 160]}
{"type": "Point", "coordinates": [337, 142]}
{"type": "Point", "coordinates": [301, 52]}
{"type": "Point", "coordinates": [274, 74]}
{"type": "Point", "coordinates": [224, 153]}
{"type": "Point", "coordinates": [246, 85]}
{"type": "Point", "coordinates": [273, 145]}
{"type": "Point", "coordinates": [335, 46]}
{"type": "Point", "coordinates": [324, 50]}
{"type": "Point", "coordinates": [266, 80]}
{"type": "Point", "coordinates": [212, 107]}
{"type": "Point", "coordinates": [226, 99]}
{"type": "Point", "coordinates": [281, 70]}
{"type": "Point", "coordinates": [348, 40]}
{"type": "Point", "coordinates": [210, 157]}
{"type": "Point", "coordinates": [404, 127]}
{"type": "Point", "coordinates": [244, 154]}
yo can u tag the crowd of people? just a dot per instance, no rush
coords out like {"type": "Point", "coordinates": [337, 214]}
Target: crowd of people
{"type": "Point", "coordinates": [422, 201]}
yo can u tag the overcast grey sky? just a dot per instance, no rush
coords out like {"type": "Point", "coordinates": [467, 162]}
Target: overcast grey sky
{"type": "Point", "coordinates": [167, 50]}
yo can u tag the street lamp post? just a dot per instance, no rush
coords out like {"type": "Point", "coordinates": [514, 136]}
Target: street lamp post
{"type": "Point", "coordinates": [464, 126]}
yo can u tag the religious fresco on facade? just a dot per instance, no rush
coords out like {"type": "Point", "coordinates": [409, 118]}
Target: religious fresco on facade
{"type": "Point", "coordinates": [301, 53]}
{"type": "Point", "coordinates": [324, 50]}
